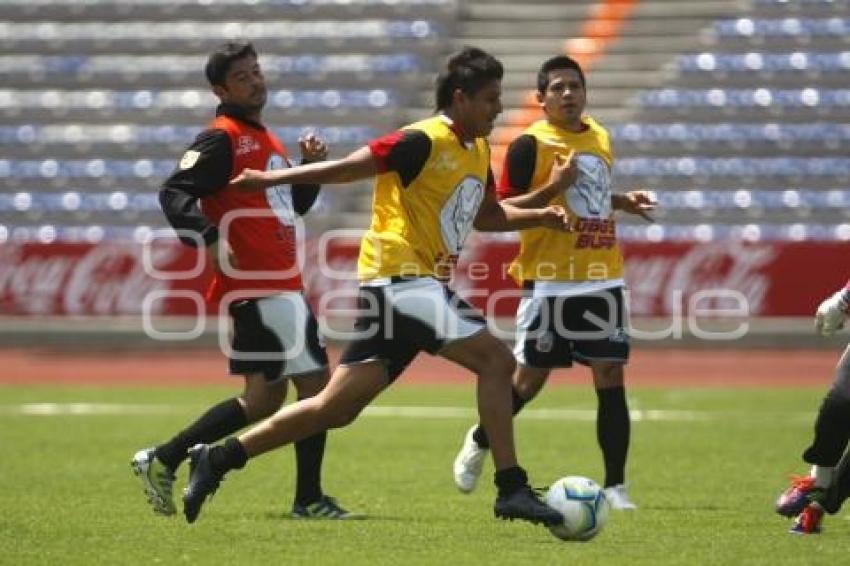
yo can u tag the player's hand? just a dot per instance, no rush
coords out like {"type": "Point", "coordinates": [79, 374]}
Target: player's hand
{"type": "Point", "coordinates": [313, 148]}
{"type": "Point", "coordinates": [556, 218]}
{"type": "Point", "coordinates": [832, 313]}
{"type": "Point", "coordinates": [220, 254]}
{"type": "Point", "coordinates": [250, 180]}
{"type": "Point", "coordinates": [564, 170]}
{"type": "Point", "coordinates": [640, 203]}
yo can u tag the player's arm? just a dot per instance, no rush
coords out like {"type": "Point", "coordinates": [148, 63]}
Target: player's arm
{"type": "Point", "coordinates": [496, 216]}
{"type": "Point", "coordinates": [833, 311]}
{"type": "Point", "coordinates": [404, 152]}
{"type": "Point", "coordinates": [518, 171]}
{"type": "Point", "coordinates": [313, 149]}
{"type": "Point", "coordinates": [353, 167]}
{"type": "Point", "coordinates": [640, 203]}
{"type": "Point", "coordinates": [203, 170]}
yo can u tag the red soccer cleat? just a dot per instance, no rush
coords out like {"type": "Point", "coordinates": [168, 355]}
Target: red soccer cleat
{"type": "Point", "coordinates": [808, 522]}
{"type": "Point", "coordinates": [792, 501]}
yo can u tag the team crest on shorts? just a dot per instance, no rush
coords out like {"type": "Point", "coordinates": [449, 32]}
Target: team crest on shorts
{"type": "Point", "coordinates": [545, 343]}
{"type": "Point", "coordinates": [189, 159]}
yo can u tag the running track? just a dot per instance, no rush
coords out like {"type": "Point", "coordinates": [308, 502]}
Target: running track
{"type": "Point", "coordinates": [651, 368]}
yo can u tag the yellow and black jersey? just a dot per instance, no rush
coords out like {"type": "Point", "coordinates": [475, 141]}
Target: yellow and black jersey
{"type": "Point", "coordinates": [428, 191]}
{"type": "Point", "coordinates": [590, 252]}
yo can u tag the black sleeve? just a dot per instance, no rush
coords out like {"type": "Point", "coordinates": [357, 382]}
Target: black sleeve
{"type": "Point", "coordinates": [304, 195]}
{"type": "Point", "coordinates": [403, 151]}
{"type": "Point", "coordinates": [522, 154]}
{"type": "Point", "coordinates": [204, 169]}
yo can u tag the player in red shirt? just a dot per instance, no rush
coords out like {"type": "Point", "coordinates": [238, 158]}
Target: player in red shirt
{"type": "Point", "coordinates": [250, 239]}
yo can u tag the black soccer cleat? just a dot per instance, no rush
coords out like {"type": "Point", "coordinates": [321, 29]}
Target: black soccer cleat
{"type": "Point", "coordinates": [525, 504]}
{"type": "Point", "coordinates": [203, 481]}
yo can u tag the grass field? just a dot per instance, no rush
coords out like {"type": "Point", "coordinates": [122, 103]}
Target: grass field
{"type": "Point", "coordinates": [705, 467]}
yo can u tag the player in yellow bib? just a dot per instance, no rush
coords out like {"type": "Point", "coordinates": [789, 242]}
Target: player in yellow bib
{"type": "Point", "coordinates": [572, 307]}
{"type": "Point", "coordinates": [433, 185]}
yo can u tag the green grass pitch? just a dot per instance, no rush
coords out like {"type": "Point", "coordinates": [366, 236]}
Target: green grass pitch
{"type": "Point", "coordinates": [705, 468]}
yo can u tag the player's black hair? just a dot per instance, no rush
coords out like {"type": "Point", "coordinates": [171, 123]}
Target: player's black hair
{"type": "Point", "coordinates": [557, 62]}
{"type": "Point", "coordinates": [469, 70]}
{"type": "Point", "coordinates": [222, 58]}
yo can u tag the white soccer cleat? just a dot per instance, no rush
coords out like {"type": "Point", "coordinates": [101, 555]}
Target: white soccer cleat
{"type": "Point", "coordinates": [157, 481]}
{"type": "Point", "coordinates": [468, 464]}
{"type": "Point", "coordinates": [618, 497]}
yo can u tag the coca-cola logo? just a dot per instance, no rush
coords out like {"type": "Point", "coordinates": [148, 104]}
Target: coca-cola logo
{"type": "Point", "coordinates": [659, 283]}
{"type": "Point", "coordinates": [104, 279]}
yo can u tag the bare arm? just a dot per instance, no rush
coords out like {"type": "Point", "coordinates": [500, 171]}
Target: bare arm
{"type": "Point", "coordinates": [357, 165]}
{"type": "Point", "coordinates": [563, 174]}
{"type": "Point", "coordinates": [639, 203]}
{"type": "Point", "coordinates": [495, 216]}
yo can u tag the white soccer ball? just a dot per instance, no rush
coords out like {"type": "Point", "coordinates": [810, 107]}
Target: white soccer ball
{"type": "Point", "coordinates": [583, 505]}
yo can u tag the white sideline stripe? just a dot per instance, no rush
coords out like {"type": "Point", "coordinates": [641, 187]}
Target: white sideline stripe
{"type": "Point", "coordinates": [424, 412]}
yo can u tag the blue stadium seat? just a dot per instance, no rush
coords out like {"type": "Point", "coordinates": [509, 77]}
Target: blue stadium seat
{"type": "Point", "coordinates": [786, 27]}
{"type": "Point", "coordinates": [764, 97]}
{"type": "Point", "coordinates": [143, 67]}
{"type": "Point", "coordinates": [157, 135]}
{"type": "Point", "coordinates": [191, 98]}
{"type": "Point", "coordinates": [733, 166]}
{"type": "Point", "coordinates": [767, 62]}
{"type": "Point", "coordinates": [727, 132]}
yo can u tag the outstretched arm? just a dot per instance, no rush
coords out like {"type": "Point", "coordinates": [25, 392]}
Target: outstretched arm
{"type": "Point", "coordinates": [357, 165]}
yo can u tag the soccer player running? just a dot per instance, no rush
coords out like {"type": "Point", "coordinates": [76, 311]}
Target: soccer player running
{"type": "Point", "coordinates": [828, 484]}
{"type": "Point", "coordinates": [433, 185]}
{"type": "Point", "coordinates": [572, 309]}
{"type": "Point", "coordinates": [275, 335]}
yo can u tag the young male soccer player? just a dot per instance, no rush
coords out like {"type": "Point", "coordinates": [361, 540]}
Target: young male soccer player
{"type": "Point", "coordinates": [828, 484]}
{"type": "Point", "coordinates": [569, 278]}
{"type": "Point", "coordinates": [433, 184]}
{"type": "Point", "coordinates": [275, 336]}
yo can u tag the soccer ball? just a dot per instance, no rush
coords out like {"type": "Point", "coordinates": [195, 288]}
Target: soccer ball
{"type": "Point", "coordinates": [583, 505]}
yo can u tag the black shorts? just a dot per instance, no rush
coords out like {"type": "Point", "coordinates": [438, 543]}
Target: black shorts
{"type": "Point", "coordinates": [277, 336]}
{"type": "Point", "coordinates": [399, 320]}
{"type": "Point", "coordinates": [555, 331]}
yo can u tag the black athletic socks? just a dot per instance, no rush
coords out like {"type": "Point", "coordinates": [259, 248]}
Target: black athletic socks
{"type": "Point", "coordinates": [510, 480]}
{"type": "Point", "coordinates": [613, 429]}
{"type": "Point", "coordinates": [308, 458]}
{"type": "Point", "coordinates": [219, 421]}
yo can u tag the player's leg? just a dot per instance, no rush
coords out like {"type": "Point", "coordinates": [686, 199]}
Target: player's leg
{"type": "Point", "coordinates": [822, 487]}
{"type": "Point", "coordinates": [493, 364]}
{"type": "Point", "coordinates": [310, 500]}
{"type": "Point", "coordinates": [469, 462]}
{"type": "Point", "coordinates": [156, 467]}
{"type": "Point", "coordinates": [597, 323]}
{"type": "Point", "coordinates": [349, 390]}
{"type": "Point", "coordinates": [289, 318]}
{"type": "Point", "coordinates": [263, 393]}
{"type": "Point", "coordinates": [535, 346]}
{"type": "Point", "coordinates": [613, 429]}
{"type": "Point", "coordinates": [369, 364]}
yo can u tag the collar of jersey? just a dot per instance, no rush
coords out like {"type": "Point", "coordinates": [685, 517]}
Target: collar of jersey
{"type": "Point", "coordinates": [456, 130]}
{"type": "Point", "coordinates": [237, 113]}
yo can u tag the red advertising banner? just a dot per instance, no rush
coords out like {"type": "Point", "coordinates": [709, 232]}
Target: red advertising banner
{"type": "Point", "coordinates": [123, 278]}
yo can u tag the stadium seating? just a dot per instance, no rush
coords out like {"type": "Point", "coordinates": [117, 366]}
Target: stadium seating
{"type": "Point", "coordinates": [101, 96]}
{"type": "Point", "coordinates": [738, 117]}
